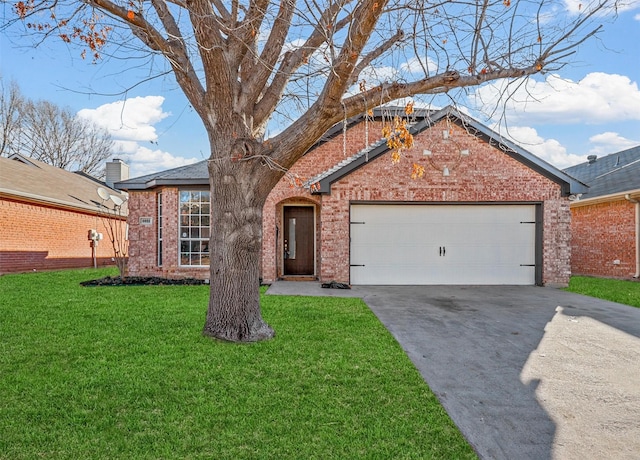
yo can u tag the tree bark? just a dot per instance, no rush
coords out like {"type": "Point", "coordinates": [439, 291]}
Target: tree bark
{"type": "Point", "coordinates": [235, 248]}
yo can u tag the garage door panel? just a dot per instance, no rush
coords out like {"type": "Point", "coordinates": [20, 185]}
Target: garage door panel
{"type": "Point", "coordinates": [429, 244]}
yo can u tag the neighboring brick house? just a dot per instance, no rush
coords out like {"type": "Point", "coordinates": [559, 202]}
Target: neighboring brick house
{"type": "Point", "coordinates": [606, 220]}
{"type": "Point", "coordinates": [485, 212]}
{"type": "Point", "coordinates": [46, 214]}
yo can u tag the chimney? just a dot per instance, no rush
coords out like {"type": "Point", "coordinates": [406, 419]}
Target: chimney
{"type": "Point", "coordinates": [116, 171]}
{"type": "Point", "coordinates": [592, 158]}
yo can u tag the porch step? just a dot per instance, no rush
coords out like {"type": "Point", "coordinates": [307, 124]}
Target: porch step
{"type": "Point", "coordinates": [298, 278]}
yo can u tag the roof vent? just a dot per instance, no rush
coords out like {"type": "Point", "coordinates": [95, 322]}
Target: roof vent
{"type": "Point", "coordinates": [592, 158]}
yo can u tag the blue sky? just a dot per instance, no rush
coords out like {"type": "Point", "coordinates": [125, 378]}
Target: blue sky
{"type": "Point", "coordinates": [590, 107]}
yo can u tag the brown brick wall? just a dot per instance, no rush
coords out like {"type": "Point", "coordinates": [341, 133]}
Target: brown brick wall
{"type": "Point", "coordinates": [319, 160]}
{"type": "Point", "coordinates": [486, 175]}
{"type": "Point", "coordinates": [39, 237]}
{"type": "Point", "coordinates": [143, 239]}
{"type": "Point", "coordinates": [601, 234]}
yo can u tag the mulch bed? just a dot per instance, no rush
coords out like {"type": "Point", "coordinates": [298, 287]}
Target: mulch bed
{"type": "Point", "coordinates": [141, 281]}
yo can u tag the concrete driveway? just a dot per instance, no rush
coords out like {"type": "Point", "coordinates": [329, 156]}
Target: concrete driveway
{"type": "Point", "coordinates": [525, 372]}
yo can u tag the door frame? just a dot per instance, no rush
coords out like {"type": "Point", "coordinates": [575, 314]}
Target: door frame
{"type": "Point", "coordinates": [281, 238]}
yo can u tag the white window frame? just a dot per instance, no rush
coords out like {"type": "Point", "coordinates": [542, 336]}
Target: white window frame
{"type": "Point", "coordinates": [195, 234]}
{"type": "Point", "coordinates": [159, 229]}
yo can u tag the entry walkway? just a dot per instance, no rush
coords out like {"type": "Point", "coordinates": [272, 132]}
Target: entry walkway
{"type": "Point", "coordinates": [525, 372]}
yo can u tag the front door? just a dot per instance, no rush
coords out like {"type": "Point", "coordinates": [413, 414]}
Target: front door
{"type": "Point", "coordinates": [298, 240]}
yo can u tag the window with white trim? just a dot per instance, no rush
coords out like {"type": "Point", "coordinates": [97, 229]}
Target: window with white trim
{"type": "Point", "coordinates": [194, 225]}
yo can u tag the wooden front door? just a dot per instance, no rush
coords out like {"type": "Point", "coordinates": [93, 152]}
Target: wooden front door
{"type": "Point", "coordinates": [298, 240]}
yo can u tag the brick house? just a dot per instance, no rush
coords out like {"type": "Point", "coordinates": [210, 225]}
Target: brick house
{"type": "Point", "coordinates": [46, 214]}
{"type": "Point", "coordinates": [605, 220]}
{"type": "Point", "coordinates": [485, 211]}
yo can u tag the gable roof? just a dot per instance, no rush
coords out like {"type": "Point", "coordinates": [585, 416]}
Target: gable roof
{"type": "Point", "coordinates": [613, 174]}
{"type": "Point", "coordinates": [197, 174]}
{"type": "Point", "coordinates": [569, 184]}
{"type": "Point", "coordinates": [32, 180]}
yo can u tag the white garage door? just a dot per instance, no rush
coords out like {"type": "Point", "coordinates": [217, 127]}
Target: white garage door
{"type": "Point", "coordinates": [443, 244]}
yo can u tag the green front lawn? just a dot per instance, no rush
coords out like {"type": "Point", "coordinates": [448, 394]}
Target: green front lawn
{"type": "Point", "coordinates": [124, 373]}
{"type": "Point", "coordinates": [620, 291]}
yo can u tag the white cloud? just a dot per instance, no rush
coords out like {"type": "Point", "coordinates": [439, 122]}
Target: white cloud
{"type": "Point", "coordinates": [597, 98]}
{"type": "Point", "coordinates": [555, 153]}
{"type": "Point", "coordinates": [627, 5]}
{"type": "Point", "coordinates": [132, 119]}
{"type": "Point", "coordinates": [379, 74]}
{"type": "Point", "coordinates": [418, 65]}
{"type": "Point", "coordinates": [144, 161]}
{"type": "Point", "coordinates": [549, 150]}
{"type": "Point", "coordinates": [613, 8]}
{"type": "Point", "coordinates": [610, 142]}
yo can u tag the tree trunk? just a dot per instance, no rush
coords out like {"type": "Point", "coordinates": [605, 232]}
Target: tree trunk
{"type": "Point", "coordinates": [235, 248]}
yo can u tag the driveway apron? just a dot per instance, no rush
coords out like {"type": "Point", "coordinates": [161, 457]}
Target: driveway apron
{"type": "Point", "coordinates": [525, 372]}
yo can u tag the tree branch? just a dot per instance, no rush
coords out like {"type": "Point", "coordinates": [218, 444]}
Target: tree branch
{"type": "Point", "coordinates": [242, 37]}
{"type": "Point", "coordinates": [307, 129]}
{"type": "Point", "coordinates": [368, 58]}
{"type": "Point", "coordinates": [293, 60]}
{"type": "Point", "coordinates": [257, 72]}
{"type": "Point", "coordinates": [365, 18]}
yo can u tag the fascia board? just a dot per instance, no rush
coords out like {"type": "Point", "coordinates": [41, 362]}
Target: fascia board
{"type": "Point", "coordinates": [633, 194]}
{"type": "Point", "coordinates": [37, 199]}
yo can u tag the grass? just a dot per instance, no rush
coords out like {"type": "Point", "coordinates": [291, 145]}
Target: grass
{"type": "Point", "coordinates": [620, 291]}
{"type": "Point", "coordinates": [124, 372]}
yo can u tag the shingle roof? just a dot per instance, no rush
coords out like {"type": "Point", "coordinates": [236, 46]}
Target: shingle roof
{"type": "Point", "coordinates": [569, 184]}
{"type": "Point", "coordinates": [26, 178]}
{"type": "Point", "coordinates": [615, 173]}
{"type": "Point", "coordinates": [193, 174]}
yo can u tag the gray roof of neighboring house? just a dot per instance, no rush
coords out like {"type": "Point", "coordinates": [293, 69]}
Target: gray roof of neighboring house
{"type": "Point", "coordinates": [569, 184]}
{"type": "Point", "coordinates": [615, 173]}
{"type": "Point", "coordinates": [32, 180]}
{"type": "Point", "coordinates": [197, 173]}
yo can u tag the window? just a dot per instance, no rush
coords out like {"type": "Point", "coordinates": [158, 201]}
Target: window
{"type": "Point", "coordinates": [160, 229]}
{"type": "Point", "coordinates": [194, 227]}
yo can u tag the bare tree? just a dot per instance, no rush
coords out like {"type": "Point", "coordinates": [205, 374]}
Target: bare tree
{"type": "Point", "coordinates": [239, 62]}
{"type": "Point", "coordinates": [11, 102]}
{"type": "Point", "coordinates": [50, 133]}
{"type": "Point", "coordinates": [115, 224]}
{"type": "Point", "coordinates": [56, 136]}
